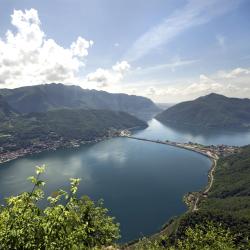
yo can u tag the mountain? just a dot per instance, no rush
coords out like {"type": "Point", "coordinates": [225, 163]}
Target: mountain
{"type": "Point", "coordinates": [79, 123]}
{"type": "Point", "coordinates": [210, 111]}
{"type": "Point", "coordinates": [5, 110]}
{"type": "Point", "coordinates": [41, 98]}
{"type": "Point", "coordinates": [63, 125]}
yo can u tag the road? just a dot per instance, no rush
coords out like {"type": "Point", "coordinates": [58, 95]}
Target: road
{"type": "Point", "coordinates": [208, 154]}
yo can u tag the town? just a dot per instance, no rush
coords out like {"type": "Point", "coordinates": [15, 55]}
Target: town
{"type": "Point", "coordinates": [10, 151]}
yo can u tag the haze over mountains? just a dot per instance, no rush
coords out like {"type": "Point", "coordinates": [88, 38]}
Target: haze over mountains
{"type": "Point", "coordinates": [46, 97]}
{"type": "Point", "coordinates": [210, 111]}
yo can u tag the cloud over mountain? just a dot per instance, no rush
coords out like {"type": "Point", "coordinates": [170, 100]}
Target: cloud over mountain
{"type": "Point", "coordinates": [233, 82]}
{"type": "Point", "coordinates": [28, 56]}
{"type": "Point", "coordinates": [105, 77]}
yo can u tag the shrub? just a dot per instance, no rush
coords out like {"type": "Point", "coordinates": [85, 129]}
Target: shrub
{"type": "Point", "coordinates": [78, 224]}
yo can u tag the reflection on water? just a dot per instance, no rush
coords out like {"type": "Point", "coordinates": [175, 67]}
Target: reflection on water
{"type": "Point", "coordinates": [157, 130]}
{"type": "Point", "coordinates": [141, 183]}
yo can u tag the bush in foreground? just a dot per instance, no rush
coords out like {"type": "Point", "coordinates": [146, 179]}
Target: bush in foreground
{"type": "Point", "coordinates": [202, 237]}
{"type": "Point", "coordinates": [79, 224]}
{"type": "Point", "coordinates": [83, 224]}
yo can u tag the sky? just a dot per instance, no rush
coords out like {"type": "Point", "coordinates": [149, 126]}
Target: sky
{"type": "Point", "coordinates": [167, 50]}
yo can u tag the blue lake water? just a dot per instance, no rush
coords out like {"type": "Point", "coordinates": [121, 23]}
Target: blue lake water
{"type": "Point", "coordinates": [142, 183]}
{"type": "Point", "coordinates": [157, 130]}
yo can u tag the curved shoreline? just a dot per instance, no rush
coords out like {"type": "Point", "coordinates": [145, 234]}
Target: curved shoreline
{"type": "Point", "coordinates": [54, 145]}
{"type": "Point", "coordinates": [195, 196]}
{"type": "Point", "coordinates": [191, 199]}
{"type": "Point", "coordinates": [170, 144]}
{"type": "Point", "coordinates": [24, 152]}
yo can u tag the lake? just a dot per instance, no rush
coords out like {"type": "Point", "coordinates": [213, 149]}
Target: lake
{"type": "Point", "coordinates": [142, 183]}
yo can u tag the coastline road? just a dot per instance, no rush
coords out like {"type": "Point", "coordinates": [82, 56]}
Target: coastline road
{"type": "Point", "coordinates": [212, 156]}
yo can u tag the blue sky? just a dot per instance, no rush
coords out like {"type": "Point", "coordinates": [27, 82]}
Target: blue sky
{"type": "Point", "coordinates": [167, 50]}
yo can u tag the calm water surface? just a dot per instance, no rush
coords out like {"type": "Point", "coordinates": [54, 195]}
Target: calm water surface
{"type": "Point", "coordinates": [141, 183]}
{"type": "Point", "coordinates": [157, 130]}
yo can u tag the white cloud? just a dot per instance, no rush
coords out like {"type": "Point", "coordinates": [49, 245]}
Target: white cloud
{"type": "Point", "coordinates": [81, 46]}
{"type": "Point", "coordinates": [231, 83]}
{"type": "Point", "coordinates": [105, 77]}
{"type": "Point", "coordinates": [173, 65]}
{"type": "Point", "coordinates": [102, 78]}
{"type": "Point", "coordinates": [121, 67]}
{"type": "Point", "coordinates": [195, 13]}
{"type": "Point", "coordinates": [27, 56]}
{"type": "Point", "coordinates": [235, 73]}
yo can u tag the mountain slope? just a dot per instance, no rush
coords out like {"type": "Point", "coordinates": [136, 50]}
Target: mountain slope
{"type": "Point", "coordinates": [46, 97]}
{"type": "Point", "coordinates": [5, 110]}
{"type": "Point", "coordinates": [228, 202]}
{"type": "Point", "coordinates": [211, 111]}
{"type": "Point", "coordinates": [79, 122]}
{"type": "Point", "coordinates": [63, 125]}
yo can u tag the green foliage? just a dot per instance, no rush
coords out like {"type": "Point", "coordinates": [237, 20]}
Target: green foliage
{"type": "Point", "coordinates": [211, 111]}
{"type": "Point", "coordinates": [240, 227]}
{"type": "Point", "coordinates": [202, 237]}
{"type": "Point", "coordinates": [79, 224]}
{"type": "Point", "coordinates": [5, 110]}
{"type": "Point", "coordinates": [227, 207]}
{"type": "Point", "coordinates": [45, 97]}
{"type": "Point", "coordinates": [207, 237]}
{"type": "Point", "coordinates": [27, 130]}
{"type": "Point", "coordinates": [228, 202]}
{"type": "Point", "coordinates": [232, 176]}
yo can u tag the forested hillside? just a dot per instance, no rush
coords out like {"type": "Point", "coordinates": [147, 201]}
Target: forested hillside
{"type": "Point", "coordinates": [57, 125]}
{"type": "Point", "coordinates": [227, 207]}
{"type": "Point", "coordinates": [41, 98]}
{"type": "Point", "coordinates": [211, 111]}
{"type": "Point", "coordinates": [5, 110]}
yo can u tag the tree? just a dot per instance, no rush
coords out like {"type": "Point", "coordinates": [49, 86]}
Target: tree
{"type": "Point", "coordinates": [202, 237]}
{"type": "Point", "coordinates": [79, 224]}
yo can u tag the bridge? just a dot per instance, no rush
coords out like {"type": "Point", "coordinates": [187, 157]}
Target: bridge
{"type": "Point", "coordinates": [186, 146]}
{"type": "Point", "coordinates": [193, 205]}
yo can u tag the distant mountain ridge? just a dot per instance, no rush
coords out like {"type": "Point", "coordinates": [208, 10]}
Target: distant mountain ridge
{"type": "Point", "coordinates": [210, 111]}
{"type": "Point", "coordinates": [41, 98]}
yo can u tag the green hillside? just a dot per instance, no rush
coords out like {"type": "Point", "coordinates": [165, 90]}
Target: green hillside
{"type": "Point", "coordinates": [41, 98]}
{"type": "Point", "coordinates": [227, 208]}
{"type": "Point", "coordinates": [228, 202]}
{"type": "Point", "coordinates": [5, 110]}
{"type": "Point", "coordinates": [67, 124]}
{"type": "Point", "coordinates": [211, 111]}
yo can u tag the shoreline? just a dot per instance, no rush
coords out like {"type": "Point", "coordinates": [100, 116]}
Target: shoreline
{"type": "Point", "coordinates": [192, 204]}
{"type": "Point", "coordinates": [52, 147]}
{"type": "Point", "coordinates": [191, 199]}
